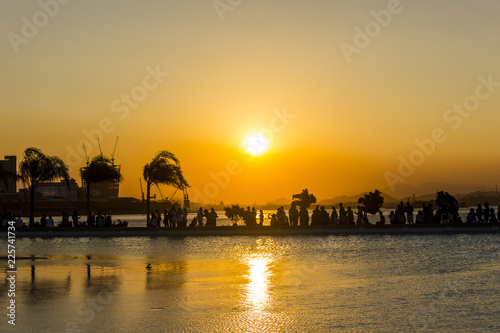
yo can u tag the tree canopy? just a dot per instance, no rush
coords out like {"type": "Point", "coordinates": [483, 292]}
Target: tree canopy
{"type": "Point", "coordinates": [37, 168]}
{"type": "Point", "coordinates": [164, 168]}
{"type": "Point", "coordinates": [235, 213]}
{"type": "Point", "coordinates": [100, 169]}
{"type": "Point", "coordinates": [304, 199]}
{"type": "Point", "coordinates": [372, 202]}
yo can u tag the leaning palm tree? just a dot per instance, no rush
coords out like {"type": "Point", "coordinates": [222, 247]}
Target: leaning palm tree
{"type": "Point", "coordinates": [164, 168]}
{"type": "Point", "coordinates": [100, 169]}
{"type": "Point", "coordinates": [37, 168]}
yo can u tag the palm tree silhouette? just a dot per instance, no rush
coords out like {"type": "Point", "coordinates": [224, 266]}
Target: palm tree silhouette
{"type": "Point", "coordinates": [100, 169]}
{"type": "Point", "coordinates": [37, 168]}
{"type": "Point", "coordinates": [164, 168]}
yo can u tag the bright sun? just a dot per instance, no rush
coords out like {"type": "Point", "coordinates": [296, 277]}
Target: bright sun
{"type": "Point", "coordinates": [256, 144]}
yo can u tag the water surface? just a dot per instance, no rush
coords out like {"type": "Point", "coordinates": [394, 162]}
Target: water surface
{"type": "Point", "coordinates": [376, 283]}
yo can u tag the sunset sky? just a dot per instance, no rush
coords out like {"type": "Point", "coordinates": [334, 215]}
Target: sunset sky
{"type": "Point", "coordinates": [343, 88]}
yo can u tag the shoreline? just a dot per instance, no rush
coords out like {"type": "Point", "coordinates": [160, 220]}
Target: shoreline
{"type": "Point", "coordinates": [404, 229]}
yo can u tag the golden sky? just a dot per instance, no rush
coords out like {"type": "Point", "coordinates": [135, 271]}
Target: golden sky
{"type": "Point", "coordinates": [344, 88]}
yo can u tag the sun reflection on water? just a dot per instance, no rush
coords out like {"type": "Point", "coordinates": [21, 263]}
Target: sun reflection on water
{"type": "Point", "coordinates": [258, 286]}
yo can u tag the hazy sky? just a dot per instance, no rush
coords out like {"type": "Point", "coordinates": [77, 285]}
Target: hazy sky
{"type": "Point", "coordinates": [344, 88]}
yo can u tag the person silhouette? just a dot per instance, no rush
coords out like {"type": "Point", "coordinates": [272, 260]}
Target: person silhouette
{"type": "Point", "coordinates": [334, 216]}
{"type": "Point", "coordinates": [382, 218]}
{"type": "Point", "coordinates": [304, 216]}
{"type": "Point", "coordinates": [342, 214]}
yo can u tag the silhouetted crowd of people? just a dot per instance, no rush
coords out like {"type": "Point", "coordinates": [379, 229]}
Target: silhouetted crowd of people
{"type": "Point", "coordinates": [47, 221]}
{"type": "Point", "coordinates": [403, 214]}
{"type": "Point", "coordinates": [178, 217]}
{"type": "Point", "coordinates": [483, 215]}
{"type": "Point", "coordinates": [173, 217]}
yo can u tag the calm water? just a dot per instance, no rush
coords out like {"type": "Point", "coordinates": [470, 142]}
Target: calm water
{"type": "Point", "coordinates": [258, 284]}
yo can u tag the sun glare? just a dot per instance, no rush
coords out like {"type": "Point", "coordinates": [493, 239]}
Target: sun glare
{"type": "Point", "coordinates": [258, 286]}
{"type": "Point", "coordinates": [256, 144]}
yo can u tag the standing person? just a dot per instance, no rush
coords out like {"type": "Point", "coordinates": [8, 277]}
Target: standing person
{"type": "Point", "coordinates": [486, 212]}
{"type": "Point", "coordinates": [400, 213]}
{"type": "Point", "coordinates": [91, 219]}
{"type": "Point", "coordinates": [165, 218]}
{"type": "Point", "coordinates": [261, 217]}
{"type": "Point", "coordinates": [342, 214]}
{"type": "Point", "coordinates": [409, 212]}
{"type": "Point", "coordinates": [334, 216]}
{"type": "Point", "coordinates": [75, 218]}
{"type": "Point", "coordinates": [175, 216]}
{"type": "Point", "coordinates": [453, 211]}
{"type": "Point", "coordinates": [315, 216]}
{"type": "Point", "coordinates": [206, 214]}
{"type": "Point", "coordinates": [304, 216]}
{"type": "Point", "coordinates": [479, 213]}
{"type": "Point", "coordinates": [199, 216]}
{"type": "Point", "coordinates": [158, 216]}
{"type": "Point", "coordinates": [154, 220]}
{"type": "Point", "coordinates": [293, 213]}
{"type": "Point", "coordinates": [428, 218]}
{"type": "Point", "coordinates": [213, 216]}
{"type": "Point", "coordinates": [350, 215]}
{"type": "Point", "coordinates": [359, 214]}
{"type": "Point", "coordinates": [184, 217]}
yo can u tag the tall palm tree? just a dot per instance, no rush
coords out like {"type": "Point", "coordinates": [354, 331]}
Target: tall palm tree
{"type": "Point", "coordinates": [164, 168]}
{"type": "Point", "coordinates": [100, 169]}
{"type": "Point", "coordinates": [37, 168]}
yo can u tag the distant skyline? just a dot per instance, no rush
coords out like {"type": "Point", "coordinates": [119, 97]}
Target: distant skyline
{"type": "Point", "coordinates": [353, 96]}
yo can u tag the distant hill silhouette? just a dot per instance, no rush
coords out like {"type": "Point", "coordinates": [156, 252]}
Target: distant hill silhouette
{"type": "Point", "coordinates": [404, 191]}
{"type": "Point", "coordinates": [353, 199]}
{"type": "Point", "coordinates": [474, 198]}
